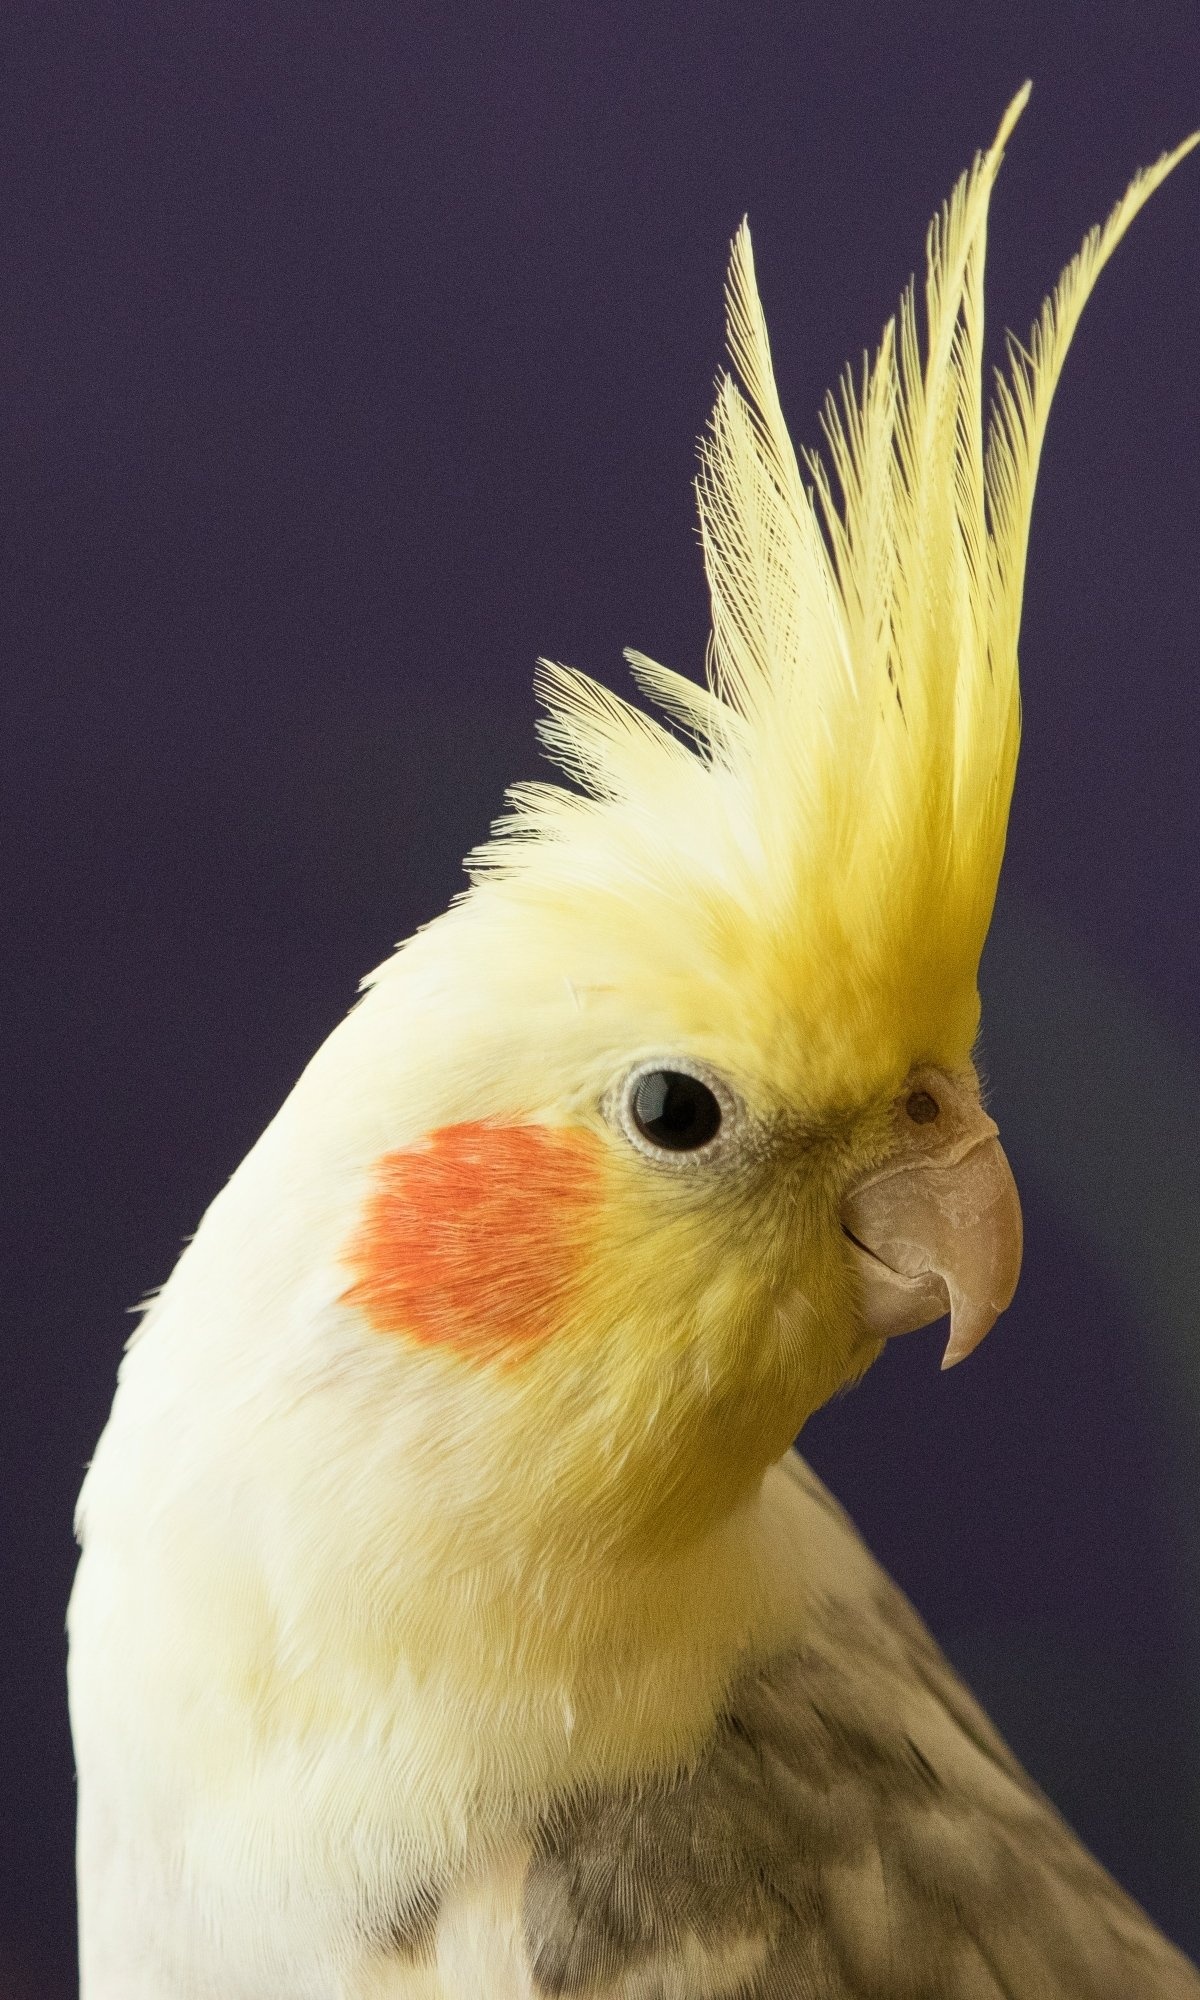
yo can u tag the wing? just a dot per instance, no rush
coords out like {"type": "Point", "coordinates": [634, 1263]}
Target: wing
{"type": "Point", "coordinates": [856, 1828]}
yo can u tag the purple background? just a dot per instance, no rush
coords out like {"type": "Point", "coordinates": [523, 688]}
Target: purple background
{"type": "Point", "coordinates": [352, 355]}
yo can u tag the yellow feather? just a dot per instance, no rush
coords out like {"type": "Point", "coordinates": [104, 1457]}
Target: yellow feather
{"type": "Point", "coordinates": [1023, 406]}
{"type": "Point", "coordinates": [844, 800]}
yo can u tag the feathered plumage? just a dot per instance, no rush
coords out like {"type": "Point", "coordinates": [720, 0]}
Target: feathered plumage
{"type": "Point", "coordinates": [857, 740]}
{"type": "Point", "coordinates": [437, 1567]}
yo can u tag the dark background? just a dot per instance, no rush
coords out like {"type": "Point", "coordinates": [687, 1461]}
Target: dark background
{"type": "Point", "coordinates": [351, 356]}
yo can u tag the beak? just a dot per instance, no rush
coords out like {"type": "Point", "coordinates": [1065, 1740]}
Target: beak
{"type": "Point", "coordinates": [937, 1228]}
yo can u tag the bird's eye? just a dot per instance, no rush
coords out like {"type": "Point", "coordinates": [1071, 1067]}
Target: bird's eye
{"type": "Point", "coordinates": [922, 1107]}
{"type": "Point", "coordinates": [674, 1110]}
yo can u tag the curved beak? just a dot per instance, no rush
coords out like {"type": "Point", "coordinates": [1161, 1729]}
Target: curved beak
{"type": "Point", "coordinates": [937, 1228]}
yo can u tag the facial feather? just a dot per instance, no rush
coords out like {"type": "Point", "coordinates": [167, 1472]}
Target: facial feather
{"type": "Point", "coordinates": [474, 1238]}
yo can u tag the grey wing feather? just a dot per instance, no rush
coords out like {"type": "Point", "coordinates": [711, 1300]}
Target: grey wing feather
{"type": "Point", "coordinates": [855, 1829]}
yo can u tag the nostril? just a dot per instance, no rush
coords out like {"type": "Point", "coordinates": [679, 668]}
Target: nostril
{"type": "Point", "coordinates": [922, 1108]}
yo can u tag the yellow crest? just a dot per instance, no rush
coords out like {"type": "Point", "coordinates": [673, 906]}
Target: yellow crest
{"type": "Point", "coordinates": [839, 814]}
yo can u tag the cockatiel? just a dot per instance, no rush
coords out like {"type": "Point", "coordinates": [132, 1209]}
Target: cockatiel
{"type": "Point", "coordinates": [454, 1621]}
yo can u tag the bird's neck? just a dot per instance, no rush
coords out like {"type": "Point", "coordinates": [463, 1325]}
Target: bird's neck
{"type": "Point", "coordinates": [315, 1603]}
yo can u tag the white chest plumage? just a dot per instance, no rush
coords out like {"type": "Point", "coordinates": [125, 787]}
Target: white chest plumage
{"type": "Point", "coordinates": [851, 1824]}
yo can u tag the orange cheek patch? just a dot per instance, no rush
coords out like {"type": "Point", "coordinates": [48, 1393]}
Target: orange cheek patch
{"type": "Point", "coordinates": [474, 1238]}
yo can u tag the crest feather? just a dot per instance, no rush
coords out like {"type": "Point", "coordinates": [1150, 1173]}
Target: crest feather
{"type": "Point", "coordinates": [1022, 404]}
{"type": "Point", "coordinates": [852, 757]}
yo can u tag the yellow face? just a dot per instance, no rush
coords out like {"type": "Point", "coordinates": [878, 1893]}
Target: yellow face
{"type": "Point", "coordinates": [657, 1252]}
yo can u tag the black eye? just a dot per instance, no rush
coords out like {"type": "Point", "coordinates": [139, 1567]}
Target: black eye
{"type": "Point", "coordinates": [922, 1108]}
{"type": "Point", "coordinates": [674, 1110]}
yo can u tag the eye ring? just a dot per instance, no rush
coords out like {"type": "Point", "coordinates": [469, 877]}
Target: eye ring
{"type": "Point", "coordinates": [693, 1131]}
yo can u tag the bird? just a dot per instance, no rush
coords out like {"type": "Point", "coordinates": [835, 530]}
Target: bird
{"type": "Point", "coordinates": [455, 1618]}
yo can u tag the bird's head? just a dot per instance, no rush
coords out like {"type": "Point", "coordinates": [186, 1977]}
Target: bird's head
{"type": "Point", "coordinates": [677, 1172]}
{"type": "Point", "coordinates": [659, 1134]}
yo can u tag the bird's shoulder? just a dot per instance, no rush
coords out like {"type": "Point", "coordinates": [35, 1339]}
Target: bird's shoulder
{"type": "Point", "coordinates": [854, 1826]}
